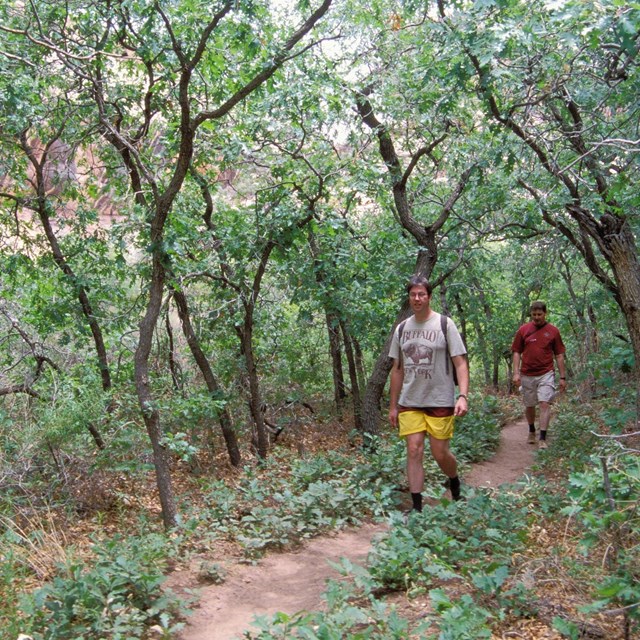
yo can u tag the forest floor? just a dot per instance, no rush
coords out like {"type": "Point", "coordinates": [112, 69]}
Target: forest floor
{"type": "Point", "coordinates": [294, 581]}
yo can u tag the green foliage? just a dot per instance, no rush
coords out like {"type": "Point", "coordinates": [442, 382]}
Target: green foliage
{"type": "Point", "coordinates": [12, 582]}
{"type": "Point", "coordinates": [478, 433]}
{"type": "Point", "coordinates": [607, 370]}
{"type": "Point", "coordinates": [118, 597]}
{"type": "Point", "coordinates": [378, 479]}
{"type": "Point", "coordinates": [212, 572]}
{"type": "Point", "coordinates": [431, 548]}
{"type": "Point", "coordinates": [440, 542]}
{"type": "Point", "coordinates": [79, 402]}
{"type": "Point", "coordinates": [179, 445]}
{"type": "Point", "coordinates": [462, 619]}
{"type": "Point", "coordinates": [474, 545]}
{"type": "Point", "coordinates": [349, 616]}
{"type": "Point", "coordinates": [191, 417]}
{"type": "Point", "coordinates": [604, 499]}
{"type": "Point", "coordinates": [296, 218]}
{"type": "Point", "coordinates": [324, 492]}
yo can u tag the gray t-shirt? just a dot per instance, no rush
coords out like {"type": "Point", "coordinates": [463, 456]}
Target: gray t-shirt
{"type": "Point", "coordinates": [424, 350]}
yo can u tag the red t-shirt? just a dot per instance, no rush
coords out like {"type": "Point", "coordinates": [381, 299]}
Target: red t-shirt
{"type": "Point", "coordinates": [537, 346]}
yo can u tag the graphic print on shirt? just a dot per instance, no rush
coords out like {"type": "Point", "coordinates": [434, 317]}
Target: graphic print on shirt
{"type": "Point", "coordinates": [418, 352]}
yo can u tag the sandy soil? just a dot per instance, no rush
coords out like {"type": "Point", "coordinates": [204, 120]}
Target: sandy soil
{"type": "Point", "coordinates": [291, 582]}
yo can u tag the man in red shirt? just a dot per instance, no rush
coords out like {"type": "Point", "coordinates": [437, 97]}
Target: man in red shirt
{"type": "Point", "coordinates": [534, 347]}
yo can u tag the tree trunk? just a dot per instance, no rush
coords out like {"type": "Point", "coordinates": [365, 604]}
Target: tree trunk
{"type": "Point", "coordinates": [626, 269]}
{"type": "Point", "coordinates": [210, 379]}
{"type": "Point", "coordinates": [371, 410]}
{"type": "Point", "coordinates": [43, 208]}
{"type": "Point", "coordinates": [255, 397]}
{"type": "Point", "coordinates": [333, 328]}
{"type": "Point", "coordinates": [462, 317]}
{"type": "Point", "coordinates": [150, 413]}
{"type": "Point", "coordinates": [357, 349]}
{"type": "Point", "coordinates": [339, 391]}
{"type": "Point", "coordinates": [488, 359]}
{"type": "Point", "coordinates": [495, 378]}
{"type": "Point", "coordinates": [353, 376]}
{"type": "Point", "coordinates": [482, 348]}
{"type": "Point", "coordinates": [173, 365]}
{"type": "Point", "coordinates": [426, 238]}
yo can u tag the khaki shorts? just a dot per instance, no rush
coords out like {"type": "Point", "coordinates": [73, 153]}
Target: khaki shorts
{"type": "Point", "coordinates": [417, 421]}
{"type": "Point", "coordinates": [537, 389]}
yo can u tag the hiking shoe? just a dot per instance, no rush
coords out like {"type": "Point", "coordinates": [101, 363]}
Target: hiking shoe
{"type": "Point", "coordinates": [542, 444]}
{"type": "Point", "coordinates": [532, 437]}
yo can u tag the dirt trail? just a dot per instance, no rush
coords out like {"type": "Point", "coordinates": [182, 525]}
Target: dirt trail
{"type": "Point", "coordinates": [291, 582]}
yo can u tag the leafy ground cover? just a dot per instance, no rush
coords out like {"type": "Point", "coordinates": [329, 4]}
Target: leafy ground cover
{"type": "Point", "coordinates": [554, 557]}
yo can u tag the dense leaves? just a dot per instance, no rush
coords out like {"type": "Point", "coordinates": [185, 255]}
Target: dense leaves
{"type": "Point", "coordinates": [208, 212]}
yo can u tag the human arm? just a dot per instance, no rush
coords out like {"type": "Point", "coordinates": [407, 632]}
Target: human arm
{"type": "Point", "coordinates": [517, 358]}
{"type": "Point", "coordinates": [462, 372]}
{"type": "Point", "coordinates": [395, 386]}
{"type": "Point", "coordinates": [562, 370]}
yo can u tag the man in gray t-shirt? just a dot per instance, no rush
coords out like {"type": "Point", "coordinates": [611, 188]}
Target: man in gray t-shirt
{"type": "Point", "coordinates": [422, 390]}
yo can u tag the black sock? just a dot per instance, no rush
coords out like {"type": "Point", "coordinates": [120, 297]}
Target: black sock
{"type": "Point", "coordinates": [532, 428]}
{"type": "Point", "coordinates": [417, 501]}
{"type": "Point", "coordinates": [454, 485]}
{"type": "Point", "coordinates": [543, 435]}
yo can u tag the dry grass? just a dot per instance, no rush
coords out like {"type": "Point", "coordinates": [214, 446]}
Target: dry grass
{"type": "Point", "coordinates": [35, 540]}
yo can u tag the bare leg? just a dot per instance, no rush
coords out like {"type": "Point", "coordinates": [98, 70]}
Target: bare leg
{"type": "Point", "coordinates": [545, 415]}
{"type": "Point", "coordinates": [530, 413]}
{"type": "Point", "coordinates": [443, 456]}
{"type": "Point", "coordinates": [415, 458]}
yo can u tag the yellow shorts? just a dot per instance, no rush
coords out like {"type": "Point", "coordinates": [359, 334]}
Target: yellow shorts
{"type": "Point", "coordinates": [416, 421]}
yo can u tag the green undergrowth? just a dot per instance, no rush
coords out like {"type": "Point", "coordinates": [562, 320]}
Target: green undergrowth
{"type": "Point", "coordinates": [451, 541]}
{"type": "Point", "coordinates": [116, 594]}
{"type": "Point", "coordinates": [465, 558]}
{"type": "Point", "coordinates": [277, 504]}
{"type": "Point", "coordinates": [288, 499]}
{"type": "Point", "coordinates": [115, 589]}
{"type": "Point", "coordinates": [467, 544]}
{"type": "Point", "coordinates": [471, 561]}
{"type": "Point", "coordinates": [477, 434]}
{"type": "Point", "coordinates": [575, 521]}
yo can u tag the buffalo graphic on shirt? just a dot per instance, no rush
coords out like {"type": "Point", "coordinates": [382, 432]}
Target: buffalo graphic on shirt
{"type": "Point", "coordinates": [417, 352]}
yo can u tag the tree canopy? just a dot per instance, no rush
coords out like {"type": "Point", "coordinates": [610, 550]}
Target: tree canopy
{"type": "Point", "coordinates": [210, 209]}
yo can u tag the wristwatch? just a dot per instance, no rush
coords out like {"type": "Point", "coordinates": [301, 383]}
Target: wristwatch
{"type": "Point", "coordinates": [463, 395]}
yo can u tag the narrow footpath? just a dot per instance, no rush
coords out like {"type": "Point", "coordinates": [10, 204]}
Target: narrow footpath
{"type": "Point", "coordinates": [290, 582]}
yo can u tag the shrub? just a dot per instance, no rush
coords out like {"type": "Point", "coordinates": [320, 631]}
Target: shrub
{"type": "Point", "coordinates": [118, 598]}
